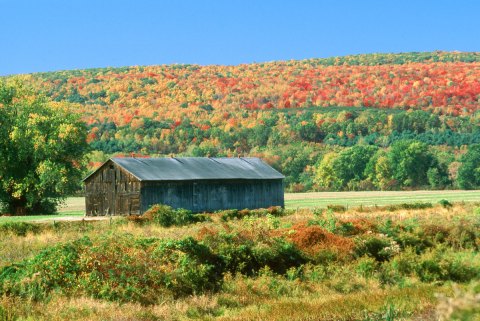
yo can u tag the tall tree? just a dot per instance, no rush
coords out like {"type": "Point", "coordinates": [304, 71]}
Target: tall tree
{"type": "Point", "coordinates": [42, 148]}
{"type": "Point", "coordinates": [351, 162]}
{"type": "Point", "coordinates": [410, 161]}
{"type": "Point", "coordinates": [469, 172]}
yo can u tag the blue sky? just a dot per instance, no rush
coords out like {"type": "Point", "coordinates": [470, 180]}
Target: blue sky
{"type": "Point", "coordinates": [57, 35]}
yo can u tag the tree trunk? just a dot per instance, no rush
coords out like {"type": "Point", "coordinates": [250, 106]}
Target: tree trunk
{"type": "Point", "coordinates": [17, 207]}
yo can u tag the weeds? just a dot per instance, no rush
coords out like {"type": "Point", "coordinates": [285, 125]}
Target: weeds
{"type": "Point", "coordinates": [264, 265]}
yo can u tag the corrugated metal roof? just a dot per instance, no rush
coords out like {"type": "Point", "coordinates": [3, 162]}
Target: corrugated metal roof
{"type": "Point", "coordinates": [196, 168]}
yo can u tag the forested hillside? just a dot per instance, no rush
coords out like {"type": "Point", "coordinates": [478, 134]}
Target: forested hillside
{"type": "Point", "coordinates": [303, 117]}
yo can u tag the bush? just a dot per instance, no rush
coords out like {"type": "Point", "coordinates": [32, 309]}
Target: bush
{"type": "Point", "coordinates": [380, 247]}
{"type": "Point", "coordinates": [243, 255]}
{"type": "Point", "coordinates": [190, 266]}
{"type": "Point", "coordinates": [279, 256]}
{"type": "Point", "coordinates": [19, 228]}
{"type": "Point", "coordinates": [436, 265]}
{"type": "Point", "coordinates": [464, 236]}
{"type": "Point", "coordinates": [56, 267]}
{"type": "Point", "coordinates": [409, 206]}
{"type": "Point", "coordinates": [236, 253]}
{"type": "Point", "coordinates": [445, 203]}
{"type": "Point", "coordinates": [366, 266]}
{"type": "Point", "coordinates": [227, 215]}
{"type": "Point", "coordinates": [166, 216]}
{"type": "Point", "coordinates": [116, 268]}
{"type": "Point", "coordinates": [336, 208]}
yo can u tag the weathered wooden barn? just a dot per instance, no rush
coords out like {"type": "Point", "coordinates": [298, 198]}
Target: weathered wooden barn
{"type": "Point", "coordinates": [123, 186]}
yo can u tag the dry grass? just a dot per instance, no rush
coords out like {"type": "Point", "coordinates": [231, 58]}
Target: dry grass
{"type": "Point", "coordinates": [342, 295]}
{"type": "Point", "coordinates": [317, 303]}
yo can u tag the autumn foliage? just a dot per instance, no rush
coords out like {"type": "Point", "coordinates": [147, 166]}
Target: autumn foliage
{"type": "Point", "coordinates": [446, 82]}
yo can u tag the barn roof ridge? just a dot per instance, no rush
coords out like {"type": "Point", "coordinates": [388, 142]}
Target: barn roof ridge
{"type": "Point", "coordinates": [195, 168]}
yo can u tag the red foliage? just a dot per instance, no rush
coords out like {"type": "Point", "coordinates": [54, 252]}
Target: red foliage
{"type": "Point", "coordinates": [312, 239]}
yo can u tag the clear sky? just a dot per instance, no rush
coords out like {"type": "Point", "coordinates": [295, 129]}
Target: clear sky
{"type": "Point", "coordinates": [52, 35]}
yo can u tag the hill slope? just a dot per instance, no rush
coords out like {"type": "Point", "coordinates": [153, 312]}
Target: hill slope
{"type": "Point", "coordinates": [291, 113]}
{"type": "Point", "coordinates": [446, 82]}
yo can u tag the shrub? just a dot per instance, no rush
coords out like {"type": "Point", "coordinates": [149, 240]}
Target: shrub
{"type": "Point", "coordinates": [464, 236]}
{"type": "Point", "coordinates": [434, 233]}
{"type": "Point", "coordinates": [278, 256]}
{"type": "Point", "coordinates": [409, 206]}
{"type": "Point", "coordinates": [316, 241]}
{"type": "Point", "coordinates": [243, 255]}
{"type": "Point", "coordinates": [411, 240]}
{"type": "Point", "coordinates": [336, 208]}
{"type": "Point", "coordinates": [190, 266]}
{"type": "Point", "coordinates": [53, 268]}
{"type": "Point", "coordinates": [444, 203]}
{"type": "Point", "coordinates": [366, 266]}
{"type": "Point", "coordinates": [228, 215]}
{"type": "Point", "coordinates": [237, 254]}
{"type": "Point", "coordinates": [161, 214]}
{"type": "Point", "coordinates": [166, 216]}
{"type": "Point", "coordinates": [436, 265]}
{"type": "Point", "coordinates": [117, 268]}
{"type": "Point", "coordinates": [19, 228]}
{"type": "Point", "coordinates": [380, 247]}
{"type": "Point", "coordinates": [276, 211]}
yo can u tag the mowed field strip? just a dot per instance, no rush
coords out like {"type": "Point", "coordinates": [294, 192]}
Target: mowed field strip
{"type": "Point", "coordinates": [322, 199]}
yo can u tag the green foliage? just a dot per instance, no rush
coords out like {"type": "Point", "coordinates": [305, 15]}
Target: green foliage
{"type": "Point", "coordinates": [242, 261]}
{"type": "Point", "coordinates": [445, 203]}
{"type": "Point", "coordinates": [116, 269]}
{"type": "Point", "coordinates": [366, 266]}
{"type": "Point", "coordinates": [280, 256]}
{"type": "Point", "coordinates": [379, 247]}
{"type": "Point", "coordinates": [195, 268]}
{"type": "Point", "coordinates": [336, 208]}
{"type": "Point", "coordinates": [326, 219]}
{"type": "Point", "coordinates": [349, 166]}
{"type": "Point", "coordinates": [274, 211]}
{"type": "Point", "coordinates": [410, 162]}
{"type": "Point", "coordinates": [42, 146]}
{"type": "Point", "coordinates": [56, 267]}
{"type": "Point", "coordinates": [409, 206]}
{"type": "Point", "coordinates": [469, 171]}
{"type": "Point", "coordinates": [166, 216]}
{"type": "Point", "coordinates": [19, 228]}
{"type": "Point", "coordinates": [435, 265]}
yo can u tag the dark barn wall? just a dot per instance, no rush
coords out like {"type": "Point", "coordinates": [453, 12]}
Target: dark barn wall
{"type": "Point", "coordinates": [212, 195]}
{"type": "Point", "coordinates": [112, 191]}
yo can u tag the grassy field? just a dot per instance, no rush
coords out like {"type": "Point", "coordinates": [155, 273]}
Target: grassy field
{"type": "Point", "coordinates": [368, 264]}
{"type": "Point", "coordinates": [75, 206]}
{"type": "Point", "coordinates": [352, 199]}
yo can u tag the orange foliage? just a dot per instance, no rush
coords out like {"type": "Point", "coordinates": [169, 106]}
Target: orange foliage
{"type": "Point", "coordinates": [174, 91]}
{"type": "Point", "coordinates": [312, 239]}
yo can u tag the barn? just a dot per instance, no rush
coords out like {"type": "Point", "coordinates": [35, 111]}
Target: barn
{"type": "Point", "coordinates": [123, 186]}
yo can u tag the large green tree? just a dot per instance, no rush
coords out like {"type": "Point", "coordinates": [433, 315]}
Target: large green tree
{"type": "Point", "coordinates": [349, 166]}
{"type": "Point", "coordinates": [411, 161]}
{"type": "Point", "coordinates": [42, 148]}
{"type": "Point", "coordinates": [469, 172]}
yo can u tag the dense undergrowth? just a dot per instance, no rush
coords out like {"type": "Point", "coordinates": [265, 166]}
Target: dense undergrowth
{"type": "Point", "coordinates": [360, 264]}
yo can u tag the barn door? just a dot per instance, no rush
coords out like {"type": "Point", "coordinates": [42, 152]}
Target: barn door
{"type": "Point", "coordinates": [111, 191]}
{"type": "Point", "coordinates": [195, 196]}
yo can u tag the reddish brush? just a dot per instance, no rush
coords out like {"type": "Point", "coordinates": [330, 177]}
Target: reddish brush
{"type": "Point", "coordinates": [312, 239]}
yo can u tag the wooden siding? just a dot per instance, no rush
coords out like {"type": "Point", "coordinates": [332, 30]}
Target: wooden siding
{"type": "Point", "coordinates": [111, 190]}
{"type": "Point", "coordinates": [212, 195]}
